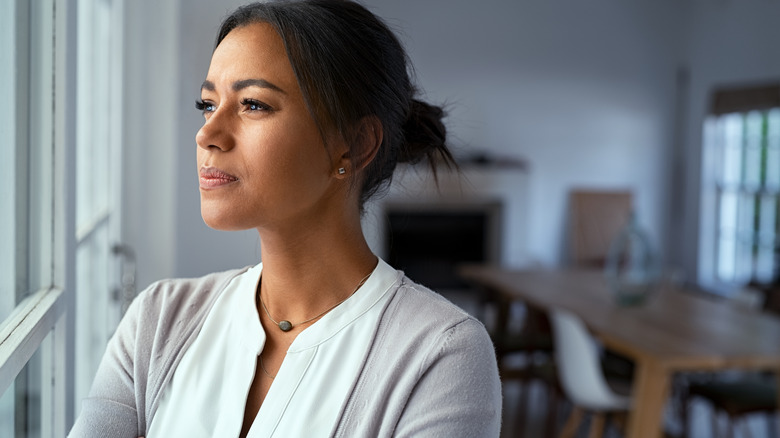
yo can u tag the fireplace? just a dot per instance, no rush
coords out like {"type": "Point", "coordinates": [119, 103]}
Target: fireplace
{"type": "Point", "coordinates": [429, 240]}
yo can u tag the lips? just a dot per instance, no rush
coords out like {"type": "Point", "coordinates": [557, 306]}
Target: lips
{"type": "Point", "coordinates": [212, 178]}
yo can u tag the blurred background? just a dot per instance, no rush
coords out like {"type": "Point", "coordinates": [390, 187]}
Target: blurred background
{"type": "Point", "coordinates": [544, 98]}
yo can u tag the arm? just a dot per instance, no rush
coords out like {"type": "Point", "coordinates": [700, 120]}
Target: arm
{"type": "Point", "coordinates": [111, 407]}
{"type": "Point", "coordinates": [459, 391]}
{"type": "Point", "coordinates": [141, 356]}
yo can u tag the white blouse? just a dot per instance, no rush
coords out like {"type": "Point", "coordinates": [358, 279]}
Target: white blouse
{"type": "Point", "coordinates": [207, 394]}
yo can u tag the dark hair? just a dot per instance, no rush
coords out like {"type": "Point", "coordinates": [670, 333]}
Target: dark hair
{"type": "Point", "coordinates": [350, 65]}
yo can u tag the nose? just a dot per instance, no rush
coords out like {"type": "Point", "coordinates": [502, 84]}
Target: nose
{"type": "Point", "coordinates": [216, 132]}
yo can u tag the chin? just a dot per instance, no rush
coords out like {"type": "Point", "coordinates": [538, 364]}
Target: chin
{"type": "Point", "coordinates": [221, 215]}
{"type": "Point", "coordinates": [220, 221]}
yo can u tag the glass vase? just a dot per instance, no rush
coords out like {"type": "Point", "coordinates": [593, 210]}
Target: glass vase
{"type": "Point", "coordinates": [631, 268]}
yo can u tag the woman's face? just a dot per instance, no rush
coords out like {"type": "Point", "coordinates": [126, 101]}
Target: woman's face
{"type": "Point", "coordinates": [261, 159]}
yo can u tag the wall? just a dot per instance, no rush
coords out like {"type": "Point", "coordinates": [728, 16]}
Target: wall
{"type": "Point", "coordinates": [149, 135]}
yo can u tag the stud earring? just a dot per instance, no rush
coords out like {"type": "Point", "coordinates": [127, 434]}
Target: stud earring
{"type": "Point", "coordinates": [342, 171]}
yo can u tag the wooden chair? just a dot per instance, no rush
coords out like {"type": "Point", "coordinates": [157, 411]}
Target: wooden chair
{"type": "Point", "coordinates": [534, 342]}
{"type": "Point", "coordinates": [595, 219]}
{"type": "Point", "coordinates": [751, 394]}
{"type": "Point", "coordinates": [748, 395]}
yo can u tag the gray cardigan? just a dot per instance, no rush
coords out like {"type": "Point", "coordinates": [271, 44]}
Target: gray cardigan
{"type": "Point", "coordinates": [430, 371]}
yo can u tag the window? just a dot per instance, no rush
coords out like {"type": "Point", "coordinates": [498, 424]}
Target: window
{"type": "Point", "coordinates": [34, 129]}
{"type": "Point", "coordinates": [742, 143]}
{"type": "Point", "coordinates": [99, 112]}
{"type": "Point", "coordinates": [61, 127]}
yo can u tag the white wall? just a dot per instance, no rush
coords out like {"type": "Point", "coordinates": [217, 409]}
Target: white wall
{"type": "Point", "coordinates": [149, 135]}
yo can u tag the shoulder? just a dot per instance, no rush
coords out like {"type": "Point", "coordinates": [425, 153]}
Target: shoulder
{"type": "Point", "coordinates": [431, 371]}
{"type": "Point", "coordinates": [417, 308]}
{"type": "Point", "coordinates": [457, 391]}
{"type": "Point", "coordinates": [171, 311]}
{"type": "Point", "coordinates": [157, 329]}
{"type": "Point", "coordinates": [423, 326]}
{"type": "Point", "coordinates": [188, 291]}
{"type": "Point", "coordinates": [174, 305]}
{"type": "Point", "coordinates": [142, 353]}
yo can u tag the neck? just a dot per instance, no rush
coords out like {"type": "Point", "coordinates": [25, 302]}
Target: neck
{"type": "Point", "coordinates": [306, 273]}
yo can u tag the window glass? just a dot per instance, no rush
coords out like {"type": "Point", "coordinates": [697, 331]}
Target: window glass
{"type": "Point", "coordinates": [98, 188]}
{"type": "Point", "coordinates": [27, 174]}
{"type": "Point", "coordinates": [29, 301]}
{"type": "Point", "coordinates": [22, 404]}
{"type": "Point", "coordinates": [14, 25]}
{"type": "Point", "coordinates": [747, 146]}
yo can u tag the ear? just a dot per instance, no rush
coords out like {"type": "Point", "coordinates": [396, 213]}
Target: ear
{"type": "Point", "coordinates": [367, 140]}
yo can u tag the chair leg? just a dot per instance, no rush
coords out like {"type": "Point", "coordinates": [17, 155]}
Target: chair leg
{"type": "Point", "coordinates": [552, 412]}
{"type": "Point", "coordinates": [745, 429]}
{"type": "Point", "coordinates": [619, 419]}
{"type": "Point", "coordinates": [771, 424]}
{"type": "Point", "coordinates": [596, 425]}
{"type": "Point", "coordinates": [729, 427]}
{"type": "Point", "coordinates": [525, 388]}
{"type": "Point", "coordinates": [715, 428]}
{"type": "Point", "coordinates": [572, 423]}
{"type": "Point", "coordinates": [684, 414]}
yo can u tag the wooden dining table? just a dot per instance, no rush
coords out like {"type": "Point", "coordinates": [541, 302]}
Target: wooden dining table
{"type": "Point", "coordinates": [674, 330]}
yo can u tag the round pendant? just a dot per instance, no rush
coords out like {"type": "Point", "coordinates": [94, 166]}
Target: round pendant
{"type": "Point", "coordinates": [285, 326]}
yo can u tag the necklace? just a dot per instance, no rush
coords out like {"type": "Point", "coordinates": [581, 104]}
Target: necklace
{"type": "Point", "coordinates": [286, 326]}
{"type": "Point", "coordinates": [264, 370]}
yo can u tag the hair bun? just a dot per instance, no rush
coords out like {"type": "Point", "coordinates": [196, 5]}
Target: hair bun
{"type": "Point", "coordinates": [424, 134]}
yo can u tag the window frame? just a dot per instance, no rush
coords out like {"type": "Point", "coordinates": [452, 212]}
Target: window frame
{"type": "Point", "coordinates": [42, 320]}
{"type": "Point", "coordinates": [728, 101]}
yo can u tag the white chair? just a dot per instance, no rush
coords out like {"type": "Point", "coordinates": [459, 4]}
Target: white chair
{"type": "Point", "coordinates": [581, 376]}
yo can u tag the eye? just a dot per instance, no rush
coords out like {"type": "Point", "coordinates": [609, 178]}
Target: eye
{"type": "Point", "coordinates": [205, 107]}
{"type": "Point", "coordinates": [255, 105]}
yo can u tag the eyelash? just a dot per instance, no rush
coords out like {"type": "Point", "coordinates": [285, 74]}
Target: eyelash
{"type": "Point", "coordinates": [204, 106]}
{"type": "Point", "coordinates": [260, 105]}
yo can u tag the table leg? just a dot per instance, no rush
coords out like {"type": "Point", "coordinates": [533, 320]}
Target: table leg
{"type": "Point", "coordinates": [772, 422]}
{"type": "Point", "coordinates": [651, 387]}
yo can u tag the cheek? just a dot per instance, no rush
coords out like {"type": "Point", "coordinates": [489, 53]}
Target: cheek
{"type": "Point", "coordinates": [294, 175]}
{"type": "Point", "coordinates": [296, 156]}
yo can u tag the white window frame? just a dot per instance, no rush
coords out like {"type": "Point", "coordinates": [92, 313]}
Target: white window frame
{"type": "Point", "coordinates": [43, 325]}
{"type": "Point", "coordinates": [49, 265]}
{"type": "Point", "coordinates": [728, 130]}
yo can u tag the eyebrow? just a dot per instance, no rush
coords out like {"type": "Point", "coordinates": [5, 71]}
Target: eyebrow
{"type": "Point", "coordinates": [244, 83]}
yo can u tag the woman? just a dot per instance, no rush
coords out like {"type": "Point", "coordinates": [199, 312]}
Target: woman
{"type": "Point", "coordinates": [308, 106]}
